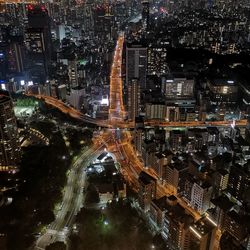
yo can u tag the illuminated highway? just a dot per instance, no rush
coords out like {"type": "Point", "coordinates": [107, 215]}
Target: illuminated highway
{"type": "Point", "coordinates": [122, 149]}
{"type": "Point", "coordinates": [116, 107]}
{"type": "Point", "coordinates": [73, 197]}
{"type": "Point", "coordinates": [117, 114]}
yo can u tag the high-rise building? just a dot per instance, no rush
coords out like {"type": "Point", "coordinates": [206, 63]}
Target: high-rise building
{"type": "Point", "coordinates": [147, 190]}
{"type": "Point", "coordinates": [178, 88]}
{"type": "Point", "coordinates": [136, 64]}
{"type": "Point", "coordinates": [89, 16]}
{"type": "Point", "coordinates": [223, 91]}
{"type": "Point", "coordinates": [203, 234]}
{"type": "Point", "coordinates": [177, 140]}
{"type": "Point", "coordinates": [9, 144]}
{"type": "Point", "coordinates": [161, 162]}
{"type": "Point", "coordinates": [16, 58]}
{"type": "Point", "coordinates": [238, 182]}
{"type": "Point", "coordinates": [76, 97]}
{"type": "Point", "coordinates": [138, 139]}
{"type": "Point", "coordinates": [221, 205]}
{"type": "Point", "coordinates": [175, 176]}
{"type": "Point", "coordinates": [73, 73]}
{"type": "Point", "coordinates": [145, 14]}
{"type": "Point", "coordinates": [200, 196]}
{"type": "Point", "coordinates": [220, 178]}
{"type": "Point", "coordinates": [148, 152]}
{"type": "Point", "coordinates": [158, 207]}
{"type": "Point", "coordinates": [133, 99]}
{"type": "Point", "coordinates": [155, 111]}
{"type": "Point", "coordinates": [236, 224]}
{"type": "Point", "coordinates": [38, 43]}
{"type": "Point", "coordinates": [176, 225]}
{"type": "Point", "coordinates": [157, 60]}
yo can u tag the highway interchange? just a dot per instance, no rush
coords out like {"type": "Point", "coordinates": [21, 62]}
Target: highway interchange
{"type": "Point", "coordinates": [122, 149]}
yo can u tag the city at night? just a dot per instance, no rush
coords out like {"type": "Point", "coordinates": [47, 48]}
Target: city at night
{"type": "Point", "coordinates": [125, 125]}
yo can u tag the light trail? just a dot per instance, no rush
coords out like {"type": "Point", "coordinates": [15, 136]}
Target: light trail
{"type": "Point", "coordinates": [116, 117]}
{"type": "Point", "coordinates": [116, 107]}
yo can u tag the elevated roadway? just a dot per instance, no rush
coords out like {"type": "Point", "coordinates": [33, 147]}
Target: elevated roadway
{"type": "Point", "coordinates": [117, 115]}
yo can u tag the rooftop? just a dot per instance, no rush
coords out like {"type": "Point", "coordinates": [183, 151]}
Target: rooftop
{"type": "Point", "coordinates": [223, 202]}
{"type": "Point", "coordinates": [202, 227]}
{"type": "Point", "coordinates": [146, 178]}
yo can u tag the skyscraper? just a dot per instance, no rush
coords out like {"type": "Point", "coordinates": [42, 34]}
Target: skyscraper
{"type": "Point", "coordinates": [238, 182]}
{"type": "Point", "coordinates": [147, 190]}
{"type": "Point", "coordinates": [157, 59]}
{"type": "Point", "coordinates": [136, 64]}
{"type": "Point", "coordinates": [15, 58]}
{"type": "Point", "coordinates": [73, 73]}
{"type": "Point", "coordinates": [38, 42]}
{"type": "Point", "coordinates": [133, 99]}
{"type": "Point", "coordinates": [145, 14]}
{"type": "Point", "coordinates": [9, 144]}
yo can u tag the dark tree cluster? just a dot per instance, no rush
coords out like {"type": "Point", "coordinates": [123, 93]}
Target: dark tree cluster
{"type": "Point", "coordinates": [43, 172]}
{"type": "Point", "coordinates": [124, 230]}
{"type": "Point", "coordinates": [78, 138]}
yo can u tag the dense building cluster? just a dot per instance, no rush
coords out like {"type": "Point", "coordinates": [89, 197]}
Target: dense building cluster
{"type": "Point", "coordinates": [205, 170]}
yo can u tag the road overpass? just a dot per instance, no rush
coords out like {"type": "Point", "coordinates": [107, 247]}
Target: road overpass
{"type": "Point", "coordinates": [116, 115]}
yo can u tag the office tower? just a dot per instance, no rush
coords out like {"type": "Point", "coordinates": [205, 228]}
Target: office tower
{"type": "Point", "coordinates": [73, 73]}
{"type": "Point", "coordinates": [15, 58]}
{"type": "Point", "coordinates": [237, 225]}
{"type": "Point", "coordinates": [147, 190]}
{"type": "Point", "coordinates": [158, 208]}
{"type": "Point", "coordinates": [221, 205]}
{"type": "Point", "coordinates": [148, 151]}
{"type": "Point", "coordinates": [155, 111]}
{"type": "Point", "coordinates": [138, 139]}
{"type": "Point", "coordinates": [133, 99]}
{"type": "Point", "coordinates": [145, 14]}
{"type": "Point", "coordinates": [98, 14]}
{"type": "Point", "coordinates": [62, 92]}
{"type": "Point", "coordinates": [9, 144]}
{"type": "Point", "coordinates": [176, 225]}
{"type": "Point", "coordinates": [76, 97]}
{"type": "Point", "coordinates": [220, 178]}
{"type": "Point", "coordinates": [136, 64]}
{"type": "Point", "coordinates": [176, 173]}
{"type": "Point", "coordinates": [88, 14]}
{"type": "Point", "coordinates": [238, 182]}
{"type": "Point", "coordinates": [178, 88]}
{"type": "Point", "coordinates": [202, 235]}
{"type": "Point", "coordinates": [38, 43]}
{"type": "Point", "coordinates": [161, 162]}
{"type": "Point", "coordinates": [177, 140]}
{"type": "Point", "coordinates": [157, 60]}
{"type": "Point", "coordinates": [223, 91]}
{"type": "Point", "coordinates": [201, 194]}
